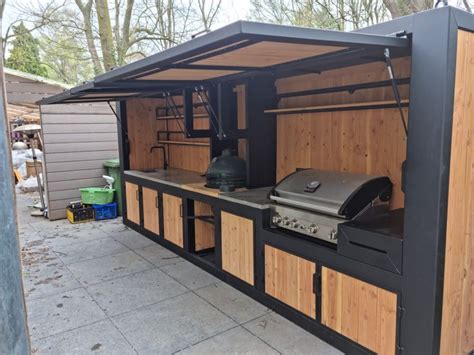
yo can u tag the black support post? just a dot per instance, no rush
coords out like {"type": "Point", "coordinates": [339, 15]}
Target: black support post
{"type": "Point", "coordinates": [260, 95]}
{"type": "Point", "coordinates": [428, 156]}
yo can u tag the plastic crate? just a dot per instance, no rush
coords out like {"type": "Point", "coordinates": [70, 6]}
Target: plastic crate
{"type": "Point", "coordinates": [97, 195]}
{"type": "Point", "coordinates": [79, 213]}
{"type": "Point", "coordinates": [108, 211]}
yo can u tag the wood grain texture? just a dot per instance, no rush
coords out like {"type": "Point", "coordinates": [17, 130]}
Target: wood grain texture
{"type": "Point", "coordinates": [457, 326]}
{"type": "Point", "coordinates": [267, 53]}
{"type": "Point", "coordinates": [238, 246]}
{"type": "Point", "coordinates": [289, 278]}
{"type": "Point", "coordinates": [172, 219]}
{"type": "Point", "coordinates": [142, 131]}
{"type": "Point", "coordinates": [150, 210]}
{"type": "Point", "coordinates": [203, 231]}
{"type": "Point", "coordinates": [360, 311]}
{"type": "Point", "coordinates": [369, 141]}
{"type": "Point", "coordinates": [133, 203]}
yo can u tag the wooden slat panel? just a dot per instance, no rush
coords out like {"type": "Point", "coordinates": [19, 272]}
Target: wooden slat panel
{"type": "Point", "coordinates": [150, 210]}
{"type": "Point", "coordinates": [79, 147]}
{"type": "Point", "coordinates": [203, 231]}
{"type": "Point", "coordinates": [81, 156]}
{"type": "Point", "coordinates": [267, 53]}
{"type": "Point", "coordinates": [75, 118]}
{"type": "Point", "coordinates": [80, 137]}
{"type": "Point", "coordinates": [289, 278]}
{"type": "Point", "coordinates": [360, 311]}
{"type": "Point", "coordinates": [80, 128]}
{"type": "Point", "coordinates": [75, 184]}
{"type": "Point", "coordinates": [133, 204]}
{"type": "Point", "coordinates": [344, 141]}
{"type": "Point", "coordinates": [80, 109]}
{"type": "Point", "coordinates": [172, 219]}
{"type": "Point", "coordinates": [457, 326]}
{"type": "Point", "coordinates": [75, 166]}
{"type": "Point", "coordinates": [75, 175]}
{"type": "Point", "coordinates": [187, 74]}
{"type": "Point", "coordinates": [238, 246]}
{"type": "Point", "coordinates": [142, 129]}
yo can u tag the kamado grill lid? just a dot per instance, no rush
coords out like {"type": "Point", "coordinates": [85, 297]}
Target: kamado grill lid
{"type": "Point", "coordinates": [340, 194]}
{"type": "Point", "coordinates": [226, 172]}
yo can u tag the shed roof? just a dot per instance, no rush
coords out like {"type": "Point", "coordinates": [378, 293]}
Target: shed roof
{"type": "Point", "coordinates": [239, 50]}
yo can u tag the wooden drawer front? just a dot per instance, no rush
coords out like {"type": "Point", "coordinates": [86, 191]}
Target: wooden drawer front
{"type": "Point", "coordinates": [237, 246]}
{"type": "Point", "coordinates": [203, 231]}
{"type": "Point", "coordinates": [289, 278]}
{"type": "Point", "coordinates": [173, 219]}
{"type": "Point", "coordinates": [133, 202]}
{"type": "Point", "coordinates": [360, 311]}
{"type": "Point", "coordinates": [150, 210]}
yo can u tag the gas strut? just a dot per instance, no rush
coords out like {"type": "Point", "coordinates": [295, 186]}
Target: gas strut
{"type": "Point", "coordinates": [210, 111]}
{"type": "Point", "coordinates": [388, 61]}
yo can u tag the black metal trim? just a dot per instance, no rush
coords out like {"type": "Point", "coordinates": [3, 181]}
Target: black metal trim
{"type": "Point", "coordinates": [349, 88]}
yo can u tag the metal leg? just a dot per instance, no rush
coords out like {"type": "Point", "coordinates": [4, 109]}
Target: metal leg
{"type": "Point", "coordinates": [38, 178]}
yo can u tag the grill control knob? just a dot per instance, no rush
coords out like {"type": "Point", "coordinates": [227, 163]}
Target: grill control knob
{"type": "Point", "coordinates": [277, 219]}
{"type": "Point", "coordinates": [333, 235]}
{"type": "Point", "coordinates": [313, 229]}
{"type": "Point", "coordinates": [286, 221]}
{"type": "Point", "coordinates": [294, 224]}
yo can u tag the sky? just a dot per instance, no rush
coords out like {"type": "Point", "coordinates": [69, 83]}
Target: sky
{"type": "Point", "coordinates": [232, 10]}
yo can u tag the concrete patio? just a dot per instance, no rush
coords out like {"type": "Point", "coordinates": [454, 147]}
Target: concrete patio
{"type": "Point", "coordinates": [101, 287]}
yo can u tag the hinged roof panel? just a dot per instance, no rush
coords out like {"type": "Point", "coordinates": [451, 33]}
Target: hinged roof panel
{"type": "Point", "coordinates": [239, 50]}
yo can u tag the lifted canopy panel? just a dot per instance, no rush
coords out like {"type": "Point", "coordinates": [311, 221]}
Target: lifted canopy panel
{"type": "Point", "coordinates": [239, 50]}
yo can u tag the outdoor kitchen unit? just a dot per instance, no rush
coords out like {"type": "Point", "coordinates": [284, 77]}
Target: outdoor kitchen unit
{"type": "Point", "coordinates": [314, 202]}
{"type": "Point", "coordinates": [369, 247]}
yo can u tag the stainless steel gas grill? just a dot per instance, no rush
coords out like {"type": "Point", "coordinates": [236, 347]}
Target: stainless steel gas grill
{"type": "Point", "coordinates": [314, 202]}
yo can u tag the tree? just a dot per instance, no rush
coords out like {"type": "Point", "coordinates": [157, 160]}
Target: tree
{"type": "Point", "coordinates": [339, 15]}
{"type": "Point", "coordinates": [24, 55]}
{"type": "Point", "coordinates": [116, 32]}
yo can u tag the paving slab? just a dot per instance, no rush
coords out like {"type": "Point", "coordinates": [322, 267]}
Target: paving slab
{"type": "Point", "coordinates": [158, 255]}
{"type": "Point", "coordinates": [238, 306]}
{"type": "Point", "coordinates": [71, 236]}
{"type": "Point", "coordinates": [76, 252]}
{"type": "Point", "coordinates": [132, 239]}
{"type": "Point", "coordinates": [101, 337]}
{"type": "Point", "coordinates": [172, 324]}
{"type": "Point", "coordinates": [189, 275]}
{"type": "Point", "coordinates": [48, 279]}
{"type": "Point", "coordinates": [288, 338]}
{"type": "Point", "coordinates": [135, 291]}
{"type": "Point", "coordinates": [112, 226]}
{"type": "Point", "coordinates": [61, 312]}
{"type": "Point", "coordinates": [234, 341]}
{"type": "Point", "coordinates": [109, 267]}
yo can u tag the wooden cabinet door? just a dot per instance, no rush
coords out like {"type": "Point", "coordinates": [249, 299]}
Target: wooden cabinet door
{"type": "Point", "coordinates": [133, 202]}
{"type": "Point", "coordinates": [173, 219]}
{"type": "Point", "coordinates": [289, 278]}
{"type": "Point", "coordinates": [151, 214]}
{"type": "Point", "coordinates": [360, 311]}
{"type": "Point", "coordinates": [237, 246]}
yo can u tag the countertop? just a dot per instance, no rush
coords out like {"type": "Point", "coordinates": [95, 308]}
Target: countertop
{"type": "Point", "coordinates": [190, 180]}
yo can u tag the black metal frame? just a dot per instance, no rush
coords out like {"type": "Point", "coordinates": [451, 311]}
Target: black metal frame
{"type": "Point", "coordinates": [433, 35]}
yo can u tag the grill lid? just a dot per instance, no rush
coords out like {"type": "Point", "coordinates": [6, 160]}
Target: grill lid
{"type": "Point", "coordinates": [339, 194]}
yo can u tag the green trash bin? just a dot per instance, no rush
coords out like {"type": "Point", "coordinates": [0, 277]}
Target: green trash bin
{"type": "Point", "coordinates": [113, 170]}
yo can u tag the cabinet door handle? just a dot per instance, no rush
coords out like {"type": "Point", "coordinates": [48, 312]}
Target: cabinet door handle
{"type": "Point", "coordinates": [181, 210]}
{"type": "Point", "coordinates": [137, 195]}
{"type": "Point", "coordinates": [156, 201]}
{"type": "Point", "coordinates": [317, 284]}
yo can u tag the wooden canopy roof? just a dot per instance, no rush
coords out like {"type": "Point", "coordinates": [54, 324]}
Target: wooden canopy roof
{"type": "Point", "coordinates": [239, 50]}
